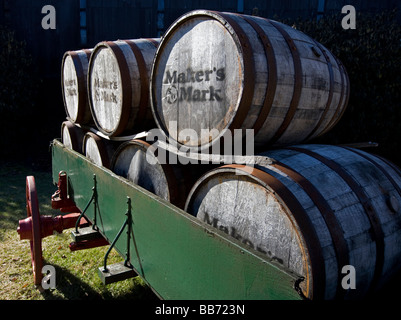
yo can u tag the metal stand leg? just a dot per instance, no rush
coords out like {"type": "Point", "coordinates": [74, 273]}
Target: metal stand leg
{"type": "Point", "coordinates": [91, 232]}
{"type": "Point", "coordinates": [119, 271]}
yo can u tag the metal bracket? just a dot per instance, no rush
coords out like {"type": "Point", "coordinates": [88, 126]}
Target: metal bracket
{"type": "Point", "coordinates": [60, 199]}
{"type": "Point", "coordinates": [119, 271]}
{"type": "Point", "coordinates": [91, 232]}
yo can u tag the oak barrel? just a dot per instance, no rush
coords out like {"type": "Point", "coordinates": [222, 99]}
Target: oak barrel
{"type": "Point", "coordinates": [316, 210]}
{"type": "Point", "coordinates": [118, 84]}
{"type": "Point", "coordinates": [99, 150]}
{"type": "Point", "coordinates": [215, 71]}
{"type": "Point", "coordinates": [171, 182]}
{"type": "Point", "coordinates": [72, 136]}
{"type": "Point", "coordinates": [74, 70]}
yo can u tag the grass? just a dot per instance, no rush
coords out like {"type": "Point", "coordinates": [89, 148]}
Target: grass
{"type": "Point", "coordinates": [76, 272]}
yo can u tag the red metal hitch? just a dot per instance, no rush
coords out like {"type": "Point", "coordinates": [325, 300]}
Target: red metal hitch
{"type": "Point", "coordinates": [36, 227]}
{"type": "Point", "coordinates": [48, 225]}
{"type": "Point", "coordinates": [60, 199]}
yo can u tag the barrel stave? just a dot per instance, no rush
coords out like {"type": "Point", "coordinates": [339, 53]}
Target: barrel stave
{"type": "Point", "coordinates": [170, 182]}
{"type": "Point", "coordinates": [74, 71]}
{"type": "Point", "coordinates": [344, 194]}
{"type": "Point", "coordinates": [118, 82]}
{"type": "Point", "coordinates": [277, 80]}
{"type": "Point", "coordinates": [72, 136]}
{"type": "Point", "coordinates": [99, 150]}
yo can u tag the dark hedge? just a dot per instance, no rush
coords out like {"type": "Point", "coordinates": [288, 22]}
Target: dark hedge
{"type": "Point", "coordinates": [371, 54]}
{"type": "Point", "coordinates": [18, 92]}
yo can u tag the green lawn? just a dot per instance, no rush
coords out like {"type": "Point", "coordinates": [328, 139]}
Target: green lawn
{"type": "Point", "coordinates": [76, 272]}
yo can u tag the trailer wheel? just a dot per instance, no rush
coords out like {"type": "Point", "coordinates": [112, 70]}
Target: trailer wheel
{"type": "Point", "coordinates": [32, 208]}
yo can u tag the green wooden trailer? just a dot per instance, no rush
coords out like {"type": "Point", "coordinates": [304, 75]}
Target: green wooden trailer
{"type": "Point", "coordinates": [177, 255]}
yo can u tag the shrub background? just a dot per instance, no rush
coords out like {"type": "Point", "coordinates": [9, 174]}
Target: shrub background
{"type": "Point", "coordinates": [18, 92]}
{"type": "Point", "coordinates": [371, 53]}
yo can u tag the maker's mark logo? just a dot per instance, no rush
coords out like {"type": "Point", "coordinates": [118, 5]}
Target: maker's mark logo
{"type": "Point", "coordinates": [201, 85]}
{"type": "Point", "coordinates": [171, 94]}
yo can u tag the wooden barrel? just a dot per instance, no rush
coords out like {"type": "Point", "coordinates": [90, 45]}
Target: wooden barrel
{"type": "Point", "coordinates": [215, 71]}
{"type": "Point", "coordinates": [98, 149]}
{"type": "Point", "coordinates": [316, 210]}
{"type": "Point", "coordinates": [169, 182]}
{"type": "Point", "coordinates": [74, 70]}
{"type": "Point", "coordinates": [72, 135]}
{"type": "Point", "coordinates": [118, 84]}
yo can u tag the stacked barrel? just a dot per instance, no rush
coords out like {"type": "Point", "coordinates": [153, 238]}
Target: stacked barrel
{"type": "Point", "coordinates": [227, 71]}
{"type": "Point", "coordinates": [314, 209]}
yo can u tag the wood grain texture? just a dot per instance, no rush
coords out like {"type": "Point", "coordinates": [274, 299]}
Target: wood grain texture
{"type": "Point", "coordinates": [334, 204]}
{"type": "Point", "coordinates": [72, 136]}
{"type": "Point", "coordinates": [74, 85]}
{"type": "Point", "coordinates": [225, 71]}
{"type": "Point", "coordinates": [170, 182]}
{"type": "Point", "coordinates": [98, 149]}
{"type": "Point", "coordinates": [118, 84]}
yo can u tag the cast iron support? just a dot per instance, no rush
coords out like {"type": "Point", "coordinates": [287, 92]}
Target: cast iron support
{"type": "Point", "coordinates": [91, 232]}
{"type": "Point", "coordinates": [94, 199]}
{"type": "Point", "coordinates": [119, 271]}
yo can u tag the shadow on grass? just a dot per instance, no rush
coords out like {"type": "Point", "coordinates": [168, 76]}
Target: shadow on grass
{"type": "Point", "coordinates": [12, 193]}
{"type": "Point", "coordinates": [71, 287]}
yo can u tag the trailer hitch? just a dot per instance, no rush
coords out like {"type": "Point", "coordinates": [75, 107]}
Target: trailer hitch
{"type": "Point", "coordinates": [36, 227]}
{"type": "Point", "coordinates": [60, 199]}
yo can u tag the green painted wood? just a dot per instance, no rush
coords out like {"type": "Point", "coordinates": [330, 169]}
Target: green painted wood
{"type": "Point", "coordinates": [179, 256]}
